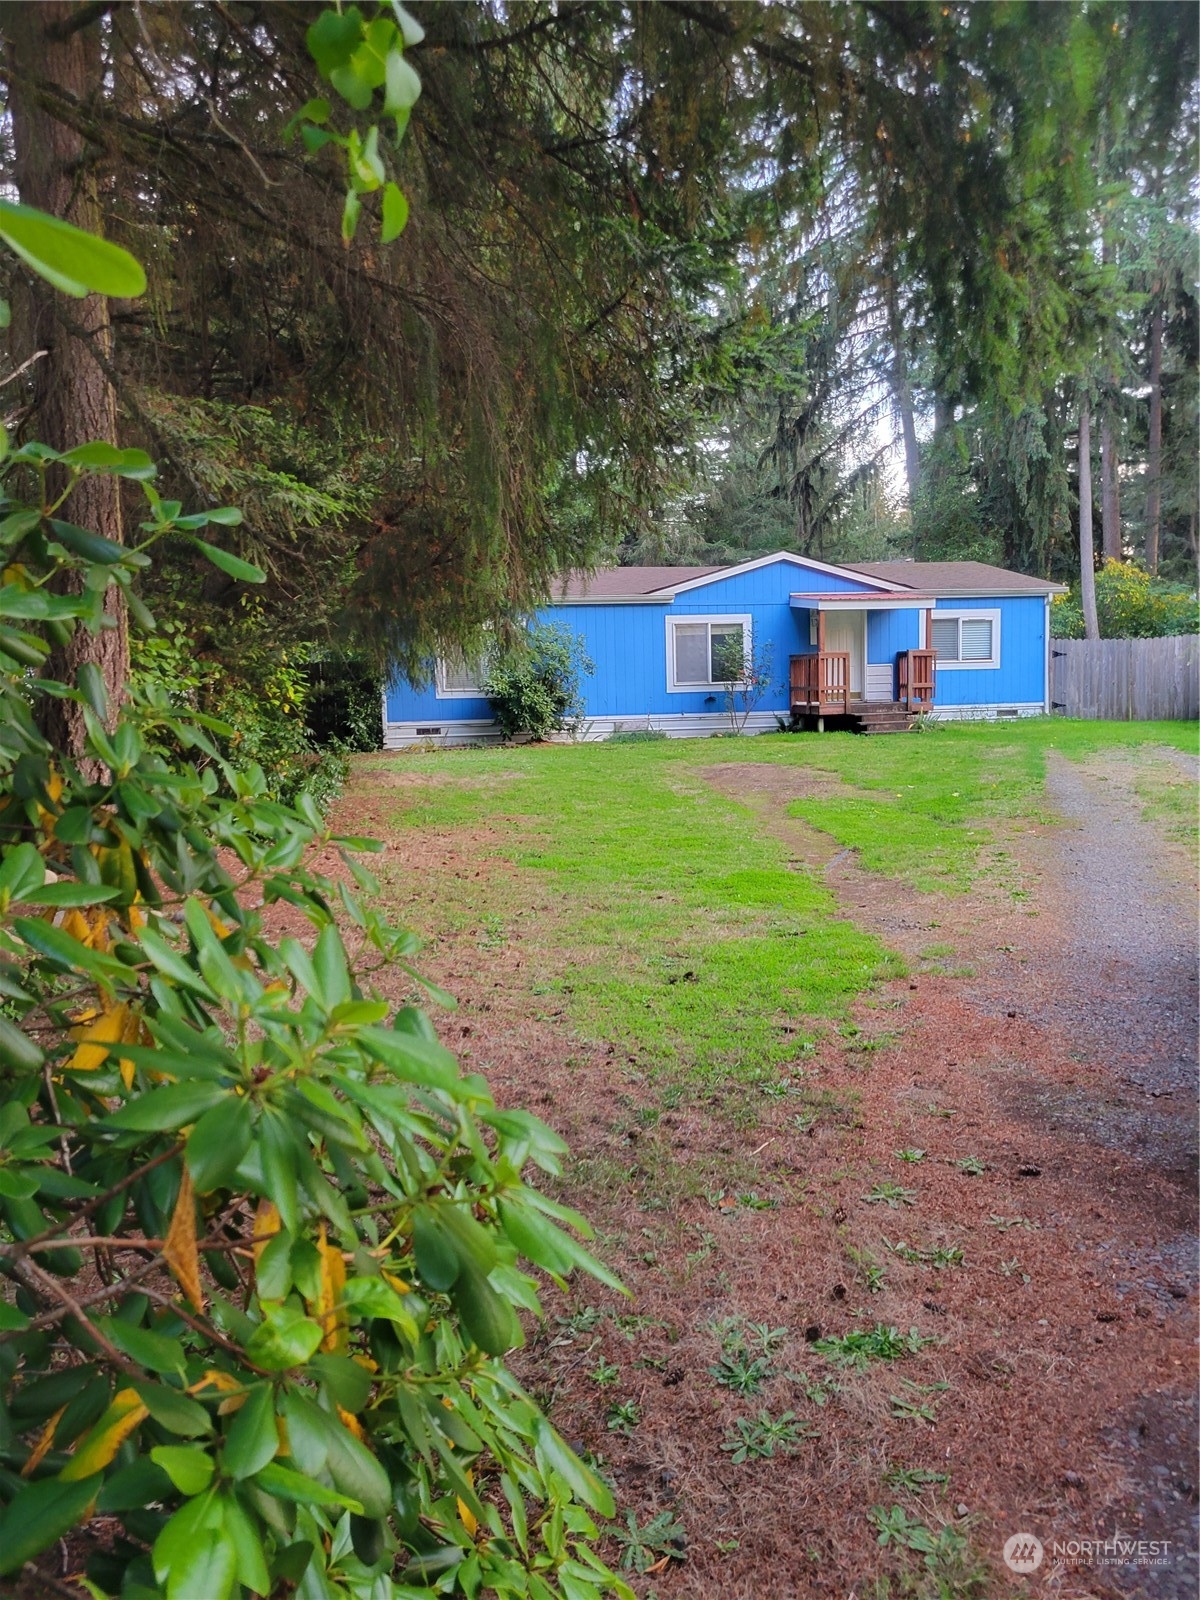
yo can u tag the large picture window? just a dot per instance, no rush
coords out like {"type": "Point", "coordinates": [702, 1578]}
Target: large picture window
{"type": "Point", "coordinates": [966, 638]}
{"type": "Point", "coordinates": [706, 652]}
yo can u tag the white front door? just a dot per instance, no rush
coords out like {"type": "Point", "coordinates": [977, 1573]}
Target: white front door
{"type": "Point", "coordinates": [847, 630]}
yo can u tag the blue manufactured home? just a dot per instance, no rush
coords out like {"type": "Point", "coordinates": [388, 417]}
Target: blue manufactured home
{"type": "Point", "coordinates": [864, 645]}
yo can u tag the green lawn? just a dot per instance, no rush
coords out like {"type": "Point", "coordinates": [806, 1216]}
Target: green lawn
{"type": "Point", "coordinates": [671, 925]}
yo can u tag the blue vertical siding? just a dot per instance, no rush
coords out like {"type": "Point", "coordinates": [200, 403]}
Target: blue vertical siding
{"type": "Point", "coordinates": [406, 704]}
{"type": "Point", "coordinates": [889, 632]}
{"type": "Point", "coordinates": [1020, 677]}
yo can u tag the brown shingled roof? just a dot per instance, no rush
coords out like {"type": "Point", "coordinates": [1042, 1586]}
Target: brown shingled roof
{"type": "Point", "coordinates": [622, 583]}
{"type": "Point", "coordinates": [954, 577]}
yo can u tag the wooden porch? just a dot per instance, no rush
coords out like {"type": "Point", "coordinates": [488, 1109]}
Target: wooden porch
{"type": "Point", "coordinates": [820, 684]}
{"type": "Point", "coordinates": [820, 688]}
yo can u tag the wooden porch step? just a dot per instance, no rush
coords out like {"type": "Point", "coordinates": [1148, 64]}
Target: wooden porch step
{"type": "Point", "coordinates": [880, 716]}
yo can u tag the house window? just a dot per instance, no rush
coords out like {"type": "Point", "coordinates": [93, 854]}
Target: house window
{"type": "Point", "coordinates": [455, 678]}
{"type": "Point", "coordinates": [702, 650]}
{"type": "Point", "coordinates": [966, 638]}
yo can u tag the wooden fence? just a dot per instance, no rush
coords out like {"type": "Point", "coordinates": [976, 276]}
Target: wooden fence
{"type": "Point", "coordinates": [1127, 680]}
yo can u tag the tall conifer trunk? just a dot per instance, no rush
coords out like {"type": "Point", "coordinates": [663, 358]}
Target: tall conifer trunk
{"type": "Point", "coordinates": [1087, 540]}
{"type": "Point", "coordinates": [1154, 442]}
{"type": "Point", "coordinates": [1110, 489]}
{"type": "Point", "coordinates": [902, 396]}
{"type": "Point", "coordinates": [53, 49]}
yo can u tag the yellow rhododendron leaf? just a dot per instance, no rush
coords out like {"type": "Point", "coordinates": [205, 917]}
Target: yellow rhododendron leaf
{"type": "Point", "coordinates": [45, 1440]}
{"type": "Point", "coordinates": [469, 1520]}
{"type": "Point", "coordinates": [397, 1283]}
{"type": "Point", "coordinates": [97, 1448]}
{"type": "Point", "coordinates": [134, 1032]}
{"type": "Point", "coordinates": [117, 868]}
{"type": "Point", "coordinates": [267, 1224]}
{"type": "Point", "coordinates": [179, 1249]}
{"type": "Point", "coordinates": [329, 1310]}
{"type": "Point", "coordinates": [94, 1040]}
{"type": "Point", "coordinates": [214, 1378]}
{"type": "Point", "coordinates": [92, 931]}
{"type": "Point", "coordinates": [77, 925]}
{"type": "Point", "coordinates": [350, 1421]}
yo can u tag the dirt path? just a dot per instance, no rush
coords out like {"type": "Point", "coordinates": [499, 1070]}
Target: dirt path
{"type": "Point", "coordinates": [1059, 1381]}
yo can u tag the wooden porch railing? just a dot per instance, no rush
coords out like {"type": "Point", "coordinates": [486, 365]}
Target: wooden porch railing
{"type": "Point", "coordinates": [820, 683]}
{"type": "Point", "coordinates": [916, 670]}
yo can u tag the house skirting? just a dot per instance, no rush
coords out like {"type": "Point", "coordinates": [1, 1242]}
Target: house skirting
{"type": "Point", "coordinates": [698, 725]}
{"type": "Point", "coordinates": [1024, 708]}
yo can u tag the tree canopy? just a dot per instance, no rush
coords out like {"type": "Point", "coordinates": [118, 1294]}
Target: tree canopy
{"type": "Point", "coordinates": [629, 228]}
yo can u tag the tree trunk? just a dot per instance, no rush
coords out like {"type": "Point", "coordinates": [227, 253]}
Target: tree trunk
{"type": "Point", "coordinates": [1087, 542]}
{"type": "Point", "coordinates": [1110, 489]}
{"type": "Point", "coordinates": [902, 395]}
{"type": "Point", "coordinates": [1154, 444]}
{"type": "Point", "coordinates": [57, 44]}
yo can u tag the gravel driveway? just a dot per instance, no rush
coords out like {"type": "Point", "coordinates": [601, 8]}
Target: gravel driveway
{"type": "Point", "coordinates": [1112, 961]}
{"type": "Point", "coordinates": [1115, 960]}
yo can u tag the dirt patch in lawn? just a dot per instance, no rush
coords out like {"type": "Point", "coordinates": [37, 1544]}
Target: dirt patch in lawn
{"type": "Point", "coordinates": [951, 1163]}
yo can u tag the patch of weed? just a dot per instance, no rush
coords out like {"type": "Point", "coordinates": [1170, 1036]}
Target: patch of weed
{"type": "Point", "coordinates": [914, 1479]}
{"type": "Point", "coordinates": [742, 1373]}
{"type": "Point", "coordinates": [873, 1275]}
{"type": "Point", "coordinates": [947, 1568]}
{"type": "Point", "coordinates": [645, 1545]}
{"type": "Point", "coordinates": [586, 1320]}
{"type": "Point", "coordinates": [936, 1256]}
{"type": "Point", "coordinates": [759, 1438]}
{"type": "Point", "coordinates": [917, 1403]}
{"type": "Point", "coordinates": [867, 1044]}
{"type": "Point", "coordinates": [883, 1342]}
{"type": "Point", "coordinates": [1012, 1269]}
{"type": "Point", "coordinates": [891, 1195]}
{"type": "Point", "coordinates": [894, 1526]}
{"type": "Point", "coordinates": [623, 1416]}
{"type": "Point", "coordinates": [819, 1393]}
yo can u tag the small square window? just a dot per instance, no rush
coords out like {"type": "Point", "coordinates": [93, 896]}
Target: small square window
{"type": "Point", "coordinates": [456, 678]}
{"type": "Point", "coordinates": [966, 638]}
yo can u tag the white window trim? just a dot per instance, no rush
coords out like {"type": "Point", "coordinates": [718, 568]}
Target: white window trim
{"type": "Point", "coordinates": [443, 693]}
{"type": "Point", "coordinates": [743, 618]}
{"type": "Point", "coordinates": [945, 614]}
